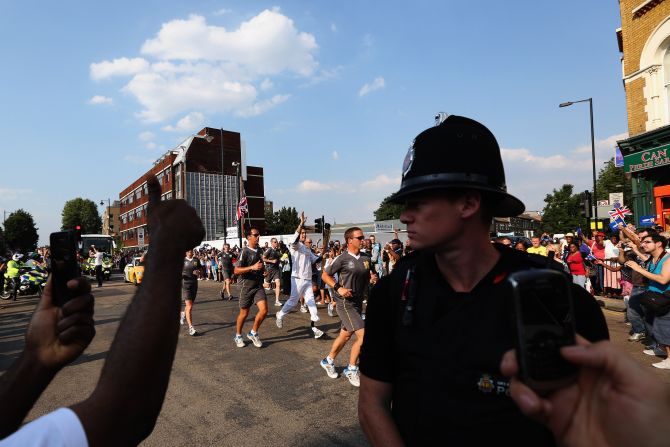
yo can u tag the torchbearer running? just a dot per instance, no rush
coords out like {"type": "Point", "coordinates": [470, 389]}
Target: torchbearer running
{"type": "Point", "coordinates": [301, 278]}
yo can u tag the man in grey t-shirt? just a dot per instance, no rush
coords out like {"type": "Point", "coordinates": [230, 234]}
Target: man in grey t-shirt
{"type": "Point", "coordinates": [226, 266]}
{"type": "Point", "coordinates": [354, 270]}
{"type": "Point", "coordinates": [249, 267]}
{"type": "Point", "coordinates": [271, 259]}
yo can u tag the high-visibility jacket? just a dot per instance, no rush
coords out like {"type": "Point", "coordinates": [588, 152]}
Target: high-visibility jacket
{"type": "Point", "coordinates": [13, 269]}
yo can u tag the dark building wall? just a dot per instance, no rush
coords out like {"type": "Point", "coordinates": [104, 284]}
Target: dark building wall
{"type": "Point", "coordinates": [255, 190]}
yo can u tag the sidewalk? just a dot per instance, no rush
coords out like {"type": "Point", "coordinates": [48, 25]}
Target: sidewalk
{"type": "Point", "coordinates": [615, 304]}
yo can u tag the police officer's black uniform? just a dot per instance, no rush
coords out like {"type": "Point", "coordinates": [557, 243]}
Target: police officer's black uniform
{"type": "Point", "coordinates": [441, 349]}
{"type": "Point", "coordinates": [443, 355]}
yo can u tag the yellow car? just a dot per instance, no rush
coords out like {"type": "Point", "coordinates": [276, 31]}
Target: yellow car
{"type": "Point", "coordinates": [134, 271]}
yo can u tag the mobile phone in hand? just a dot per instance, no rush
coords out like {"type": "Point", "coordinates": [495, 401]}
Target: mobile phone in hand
{"type": "Point", "coordinates": [64, 265]}
{"type": "Point", "coordinates": [544, 317]}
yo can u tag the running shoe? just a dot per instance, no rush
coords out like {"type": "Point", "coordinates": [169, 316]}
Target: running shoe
{"type": "Point", "coordinates": [192, 332]}
{"type": "Point", "coordinates": [303, 308]}
{"type": "Point", "coordinates": [664, 364]}
{"type": "Point", "coordinates": [656, 352]}
{"type": "Point", "coordinates": [278, 304]}
{"type": "Point", "coordinates": [352, 375]}
{"type": "Point", "coordinates": [636, 336]}
{"type": "Point", "coordinates": [239, 341]}
{"type": "Point", "coordinates": [223, 296]}
{"type": "Point", "coordinates": [330, 369]}
{"type": "Point", "coordinates": [255, 339]}
{"type": "Point", "coordinates": [182, 318]}
{"type": "Point", "coordinates": [279, 321]}
{"type": "Point", "coordinates": [318, 333]}
{"type": "Point", "coordinates": [330, 311]}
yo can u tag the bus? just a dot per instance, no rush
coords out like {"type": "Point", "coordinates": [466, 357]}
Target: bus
{"type": "Point", "coordinates": [102, 241]}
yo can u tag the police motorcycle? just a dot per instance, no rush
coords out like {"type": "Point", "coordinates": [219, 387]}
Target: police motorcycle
{"type": "Point", "coordinates": [88, 266]}
{"type": "Point", "coordinates": [32, 280]}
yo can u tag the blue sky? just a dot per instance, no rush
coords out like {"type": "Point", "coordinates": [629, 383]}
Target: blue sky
{"type": "Point", "coordinates": [326, 95]}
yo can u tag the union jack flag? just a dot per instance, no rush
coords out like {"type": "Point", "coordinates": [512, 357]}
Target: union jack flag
{"type": "Point", "coordinates": [242, 208]}
{"type": "Point", "coordinates": [620, 213]}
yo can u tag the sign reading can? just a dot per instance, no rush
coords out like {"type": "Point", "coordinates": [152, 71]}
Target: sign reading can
{"type": "Point", "coordinates": [649, 159]}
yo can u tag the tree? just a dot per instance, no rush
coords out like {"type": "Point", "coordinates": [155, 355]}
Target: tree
{"type": "Point", "coordinates": [388, 210]}
{"type": "Point", "coordinates": [81, 212]}
{"type": "Point", "coordinates": [20, 231]}
{"type": "Point", "coordinates": [561, 213]}
{"type": "Point", "coordinates": [612, 179]}
{"type": "Point", "coordinates": [284, 221]}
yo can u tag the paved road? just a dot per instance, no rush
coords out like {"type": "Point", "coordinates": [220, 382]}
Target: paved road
{"type": "Point", "coordinates": [223, 395]}
{"type": "Point", "coordinates": [219, 394]}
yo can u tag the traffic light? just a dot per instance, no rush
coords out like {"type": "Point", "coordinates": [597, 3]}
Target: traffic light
{"type": "Point", "coordinates": [585, 205]}
{"type": "Point", "coordinates": [318, 225]}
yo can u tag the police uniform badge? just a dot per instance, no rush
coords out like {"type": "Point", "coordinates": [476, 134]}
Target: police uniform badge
{"type": "Point", "coordinates": [486, 384]}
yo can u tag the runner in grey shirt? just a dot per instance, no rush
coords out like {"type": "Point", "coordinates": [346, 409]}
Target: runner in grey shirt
{"type": "Point", "coordinates": [355, 271]}
{"type": "Point", "coordinates": [271, 258]}
{"type": "Point", "coordinates": [226, 266]}
{"type": "Point", "coordinates": [250, 269]}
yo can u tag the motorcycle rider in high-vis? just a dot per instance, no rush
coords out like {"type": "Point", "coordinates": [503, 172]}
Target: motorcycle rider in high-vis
{"type": "Point", "coordinates": [12, 277]}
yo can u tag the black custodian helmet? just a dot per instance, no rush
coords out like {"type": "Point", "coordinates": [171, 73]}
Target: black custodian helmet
{"type": "Point", "coordinates": [457, 153]}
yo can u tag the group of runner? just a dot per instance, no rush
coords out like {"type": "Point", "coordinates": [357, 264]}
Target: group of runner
{"type": "Point", "coordinates": [348, 276]}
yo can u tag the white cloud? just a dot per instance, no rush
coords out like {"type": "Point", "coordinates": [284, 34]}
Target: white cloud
{"type": "Point", "coordinates": [190, 123]}
{"type": "Point", "coordinates": [222, 12]}
{"type": "Point", "coordinates": [135, 159]}
{"type": "Point", "coordinates": [603, 147]}
{"type": "Point", "coordinates": [531, 176]}
{"type": "Point", "coordinates": [151, 145]}
{"type": "Point", "coordinates": [262, 106]}
{"type": "Point", "coordinates": [268, 43]}
{"type": "Point", "coordinates": [100, 100]}
{"type": "Point", "coordinates": [335, 155]}
{"type": "Point", "coordinates": [146, 136]}
{"type": "Point", "coordinates": [12, 194]}
{"type": "Point", "coordinates": [525, 156]}
{"type": "Point", "coordinates": [382, 181]}
{"type": "Point", "coordinates": [118, 67]}
{"type": "Point", "coordinates": [377, 84]}
{"type": "Point", "coordinates": [311, 185]}
{"type": "Point", "coordinates": [192, 66]}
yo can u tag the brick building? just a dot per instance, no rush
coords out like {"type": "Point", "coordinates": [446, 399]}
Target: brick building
{"type": "Point", "coordinates": [193, 171]}
{"type": "Point", "coordinates": [644, 41]}
{"type": "Point", "coordinates": [110, 219]}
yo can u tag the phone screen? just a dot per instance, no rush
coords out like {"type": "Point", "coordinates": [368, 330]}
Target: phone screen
{"type": "Point", "coordinates": [64, 267]}
{"type": "Point", "coordinates": [545, 323]}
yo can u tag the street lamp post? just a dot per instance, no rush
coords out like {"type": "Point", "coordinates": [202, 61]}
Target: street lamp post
{"type": "Point", "coordinates": [109, 205]}
{"type": "Point", "coordinates": [593, 154]}
{"type": "Point", "coordinates": [239, 193]}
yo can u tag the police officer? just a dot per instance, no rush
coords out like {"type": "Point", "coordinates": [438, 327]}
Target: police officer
{"type": "Point", "coordinates": [13, 275]}
{"type": "Point", "coordinates": [438, 326]}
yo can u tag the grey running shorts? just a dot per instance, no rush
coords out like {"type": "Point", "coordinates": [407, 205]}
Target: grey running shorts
{"type": "Point", "coordinates": [189, 289]}
{"type": "Point", "coordinates": [251, 296]}
{"type": "Point", "coordinates": [350, 314]}
{"type": "Point", "coordinates": [273, 275]}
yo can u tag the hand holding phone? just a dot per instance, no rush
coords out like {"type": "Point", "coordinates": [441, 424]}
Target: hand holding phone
{"type": "Point", "coordinates": [544, 317]}
{"type": "Point", "coordinates": [64, 266]}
